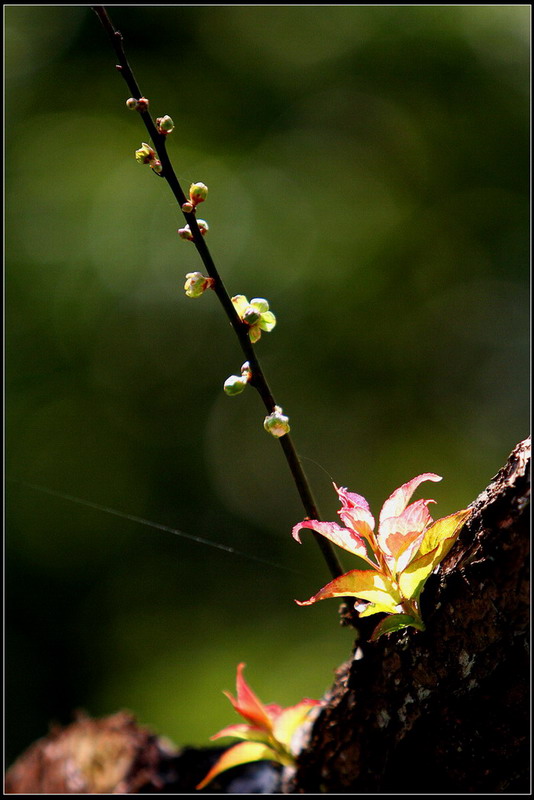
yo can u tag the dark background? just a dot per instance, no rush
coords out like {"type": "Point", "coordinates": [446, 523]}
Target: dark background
{"type": "Point", "coordinates": [368, 170]}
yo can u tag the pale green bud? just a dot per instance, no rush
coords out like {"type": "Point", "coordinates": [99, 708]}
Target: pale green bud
{"type": "Point", "coordinates": [185, 233]}
{"type": "Point", "coordinates": [145, 154]}
{"type": "Point", "coordinates": [277, 424]}
{"type": "Point", "coordinates": [246, 372]}
{"type": "Point", "coordinates": [187, 208]}
{"type": "Point", "coordinates": [198, 193]}
{"type": "Point", "coordinates": [166, 125]}
{"type": "Point", "coordinates": [196, 284]}
{"type": "Point", "coordinates": [203, 226]}
{"type": "Point", "coordinates": [235, 384]}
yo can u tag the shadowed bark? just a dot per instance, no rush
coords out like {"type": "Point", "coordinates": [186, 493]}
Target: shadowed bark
{"type": "Point", "coordinates": [446, 710]}
{"type": "Point", "coordinates": [441, 711]}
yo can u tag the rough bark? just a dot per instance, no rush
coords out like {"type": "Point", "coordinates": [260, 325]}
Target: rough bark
{"type": "Point", "coordinates": [441, 711]}
{"type": "Point", "coordinates": [446, 710]}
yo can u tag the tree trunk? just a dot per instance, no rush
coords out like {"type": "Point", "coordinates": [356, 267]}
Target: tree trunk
{"type": "Point", "coordinates": [443, 711]}
{"type": "Point", "coordinates": [446, 710]}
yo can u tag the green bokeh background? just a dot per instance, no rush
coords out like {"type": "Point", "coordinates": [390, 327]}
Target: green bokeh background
{"type": "Point", "coordinates": [369, 172]}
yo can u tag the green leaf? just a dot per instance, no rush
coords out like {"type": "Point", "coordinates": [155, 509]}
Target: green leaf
{"type": "Point", "coordinates": [395, 622]}
{"type": "Point", "coordinates": [375, 608]}
{"type": "Point", "coordinates": [437, 542]}
{"type": "Point", "coordinates": [443, 534]}
{"type": "Point", "coordinates": [411, 581]}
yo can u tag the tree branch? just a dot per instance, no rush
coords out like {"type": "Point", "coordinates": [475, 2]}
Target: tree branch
{"type": "Point", "coordinates": [258, 379]}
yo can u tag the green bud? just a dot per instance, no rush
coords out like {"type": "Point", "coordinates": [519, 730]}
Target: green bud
{"type": "Point", "coordinates": [165, 124]}
{"type": "Point", "coordinates": [246, 372]}
{"type": "Point", "coordinates": [156, 166]}
{"type": "Point", "coordinates": [203, 226]}
{"type": "Point", "coordinates": [185, 233]}
{"type": "Point", "coordinates": [198, 193]}
{"type": "Point", "coordinates": [196, 284]}
{"type": "Point", "coordinates": [145, 154]}
{"type": "Point", "coordinates": [235, 384]}
{"type": "Point", "coordinates": [277, 424]}
{"type": "Point", "coordinates": [187, 208]}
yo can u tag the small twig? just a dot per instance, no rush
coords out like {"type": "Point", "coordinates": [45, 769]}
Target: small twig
{"type": "Point", "coordinates": [258, 379]}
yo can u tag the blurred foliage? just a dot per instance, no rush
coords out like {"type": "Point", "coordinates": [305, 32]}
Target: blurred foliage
{"type": "Point", "coordinates": [369, 172]}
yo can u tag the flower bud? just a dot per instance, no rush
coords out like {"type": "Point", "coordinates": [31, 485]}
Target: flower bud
{"type": "Point", "coordinates": [165, 124]}
{"type": "Point", "coordinates": [203, 226]}
{"type": "Point", "coordinates": [187, 208]}
{"type": "Point", "coordinates": [156, 166]}
{"type": "Point", "coordinates": [246, 372]}
{"type": "Point", "coordinates": [131, 103]}
{"type": "Point", "coordinates": [198, 193]}
{"type": "Point", "coordinates": [251, 315]}
{"type": "Point", "coordinates": [185, 233]}
{"type": "Point", "coordinates": [196, 284]}
{"type": "Point", "coordinates": [277, 424]}
{"type": "Point", "coordinates": [145, 154]}
{"type": "Point", "coordinates": [142, 104]}
{"type": "Point", "coordinates": [235, 384]}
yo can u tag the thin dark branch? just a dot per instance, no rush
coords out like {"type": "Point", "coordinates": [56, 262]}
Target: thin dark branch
{"type": "Point", "coordinates": [258, 379]}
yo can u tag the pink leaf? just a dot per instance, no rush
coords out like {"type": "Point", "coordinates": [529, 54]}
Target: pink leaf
{"type": "Point", "coordinates": [396, 533]}
{"type": "Point", "coordinates": [343, 537]}
{"type": "Point", "coordinates": [397, 502]}
{"type": "Point", "coordinates": [355, 512]}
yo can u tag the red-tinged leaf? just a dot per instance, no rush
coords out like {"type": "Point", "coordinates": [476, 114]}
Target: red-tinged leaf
{"type": "Point", "coordinates": [242, 753]}
{"type": "Point", "coordinates": [351, 499]}
{"type": "Point", "coordinates": [366, 584]}
{"type": "Point", "coordinates": [397, 502]}
{"type": "Point", "coordinates": [396, 533]}
{"type": "Point", "coordinates": [273, 710]}
{"type": "Point", "coordinates": [242, 731]}
{"type": "Point", "coordinates": [343, 537]}
{"type": "Point", "coordinates": [248, 705]}
{"type": "Point", "coordinates": [290, 720]}
{"type": "Point", "coordinates": [355, 513]}
{"type": "Point", "coordinates": [393, 623]}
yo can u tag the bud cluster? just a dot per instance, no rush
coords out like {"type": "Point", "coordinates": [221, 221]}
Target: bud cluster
{"type": "Point", "coordinates": [164, 125]}
{"type": "Point", "coordinates": [137, 105]}
{"type": "Point", "coordinates": [197, 194]}
{"type": "Point", "coordinates": [147, 155]}
{"type": "Point", "coordinates": [236, 383]}
{"type": "Point", "coordinates": [277, 424]}
{"type": "Point", "coordinates": [187, 234]}
{"type": "Point", "coordinates": [196, 284]}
